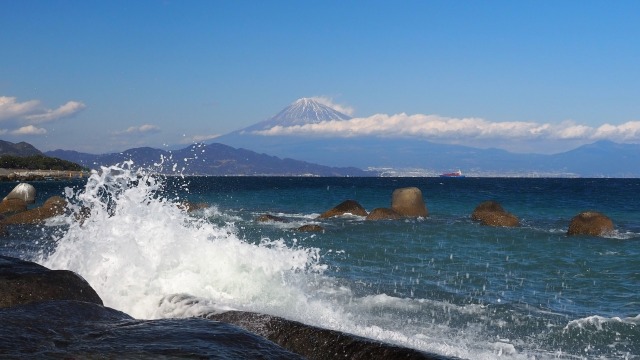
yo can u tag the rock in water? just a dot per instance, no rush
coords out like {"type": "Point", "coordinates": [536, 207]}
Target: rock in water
{"type": "Point", "coordinates": [409, 202]}
{"type": "Point", "coordinates": [383, 214]}
{"type": "Point", "coordinates": [590, 223]}
{"type": "Point", "coordinates": [54, 206]}
{"type": "Point", "coordinates": [270, 218]}
{"type": "Point", "coordinates": [346, 207]}
{"type": "Point", "coordinates": [24, 282]}
{"type": "Point", "coordinates": [12, 206]}
{"type": "Point", "coordinates": [23, 191]}
{"type": "Point", "coordinates": [310, 228]}
{"type": "Point", "coordinates": [491, 213]}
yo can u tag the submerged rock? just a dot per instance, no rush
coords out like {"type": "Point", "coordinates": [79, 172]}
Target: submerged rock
{"type": "Point", "coordinates": [408, 202]}
{"type": "Point", "coordinates": [23, 282]}
{"type": "Point", "coordinates": [23, 191]}
{"type": "Point", "coordinates": [383, 214]}
{"type": "Point", "coordinates": [590, 223]}
{"type": "Point", "coordinates": [315, 343]}
{"type": "Point", "coordinates": [271, 218]}
{"type": "Point", "coordinates": [310, 228]}
{"type": "Point", "coordinates": [491, 213]}
{"type": "Point", "coordinates": [346, 207]}
{"type": "Point", "coordinates": [192, 206]}
{"type": "Point", "coordinates": [54, 206]}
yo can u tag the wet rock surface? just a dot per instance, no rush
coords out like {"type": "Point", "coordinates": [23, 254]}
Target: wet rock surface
{"type": "Point", "coordinates": [315, 343]}
{"type": "Point", "coordinates": [23, 282]}
{"type": "Point", "coordinates": [80, 330]}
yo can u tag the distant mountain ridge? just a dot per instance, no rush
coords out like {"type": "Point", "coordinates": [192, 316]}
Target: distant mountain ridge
{"type": "Point", "coordinates": [18, 149]}
{"type": "Point", "coordinates": [212, 159]}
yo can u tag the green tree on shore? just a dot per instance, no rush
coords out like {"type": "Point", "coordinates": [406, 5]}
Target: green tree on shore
{"type": "Point", "coordinates": [37, 162]}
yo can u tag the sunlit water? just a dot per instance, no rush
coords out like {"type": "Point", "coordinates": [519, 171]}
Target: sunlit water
{"type": "Point", "coordinates": [443, 284]}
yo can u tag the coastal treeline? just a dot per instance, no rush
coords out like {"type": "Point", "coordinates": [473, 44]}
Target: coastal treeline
{"type": "Point", "coordinates": [38, 162]}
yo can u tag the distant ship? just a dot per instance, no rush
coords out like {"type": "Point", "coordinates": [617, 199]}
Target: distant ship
{"type": "Point", "coordinates": [452, 174]}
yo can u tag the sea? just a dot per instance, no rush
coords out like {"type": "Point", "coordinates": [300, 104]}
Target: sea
{"type": "Point", "coordinates": [443, 284]}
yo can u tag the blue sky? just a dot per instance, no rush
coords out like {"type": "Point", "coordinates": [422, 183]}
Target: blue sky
{"type": "Point", "coordinates": [101, 76]}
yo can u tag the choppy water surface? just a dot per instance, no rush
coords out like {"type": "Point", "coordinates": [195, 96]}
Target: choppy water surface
{"type": "Point", "coordinates": [443, 284]}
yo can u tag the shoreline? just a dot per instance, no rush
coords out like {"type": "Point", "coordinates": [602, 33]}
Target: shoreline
{"type": "Point", "coordinates": [40, 175]}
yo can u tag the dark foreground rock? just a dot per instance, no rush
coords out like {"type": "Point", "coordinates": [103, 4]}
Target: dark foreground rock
{"type": "Point", "coordinates": [79, 330]}
{"type": "Point", "coordinates": [491, 213]}
{"type": "Point", "coordinates": [590, 223]}
{"type": "Point", "coordinates": [56, 314]}
{"type": "Point", "coordinates": [346, 207]}
{"type": "Point", "coordinates": [23, 282]}
{"type": "Point", "coordinates": [315, 343]}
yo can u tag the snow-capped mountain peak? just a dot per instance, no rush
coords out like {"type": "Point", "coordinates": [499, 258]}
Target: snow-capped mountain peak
{"type": "Point", "coordinates": [300, 112]}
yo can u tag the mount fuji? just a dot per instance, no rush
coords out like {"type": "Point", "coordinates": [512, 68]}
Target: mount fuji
{"type": "Point", "coordinates": [301, 112]}
{"type": "Point", "coordinates": [398, 155]}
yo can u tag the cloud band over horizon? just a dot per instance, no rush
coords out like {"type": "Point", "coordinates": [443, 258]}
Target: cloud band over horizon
{"type": "Point", "coordinates": [443, 128]}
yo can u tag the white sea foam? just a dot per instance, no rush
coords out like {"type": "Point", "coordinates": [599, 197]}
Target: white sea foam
{"type": "Point", "coordinates": [598, 322]}
{"type": "Point", "coordinates": [621, 235]}
{"type": "Point", "coordinates": [136, 247]}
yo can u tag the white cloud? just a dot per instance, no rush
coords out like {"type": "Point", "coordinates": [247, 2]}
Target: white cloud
{"type": "Point", "coordinates": [455, 129]}
{"type": "Point", "coordinates": [327, 101]}
{"type": "Point", "coordinates": [627, 132]}
{"type": "Point", "coordinates": [198, 138]}
{"type": "Point", "coordinates": [29, 130]}
{"type": "Point", "coordinates": [11, 109]}
{"type": "Point", "coordinates": [139, 130]}
{"type": "Point", "coordinates": [13, 113]}
{"type": "Point", "coordinates": [69, 109]}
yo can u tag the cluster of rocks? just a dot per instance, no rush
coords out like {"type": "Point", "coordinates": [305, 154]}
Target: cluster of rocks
{"type": "Point", "coordinates": [405, 203]}
{"type": "Point", "coordinates": [14, 207]}
{"type": "Point", "coordinates": [590, 223]}
{"type": "Point", "coordinates": [66, 318]}
{"type": "Point", "coordinates": [409, 203]}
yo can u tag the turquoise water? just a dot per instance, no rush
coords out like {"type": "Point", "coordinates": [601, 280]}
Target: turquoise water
{"type": "Point", "coordinates": [443, 284]}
